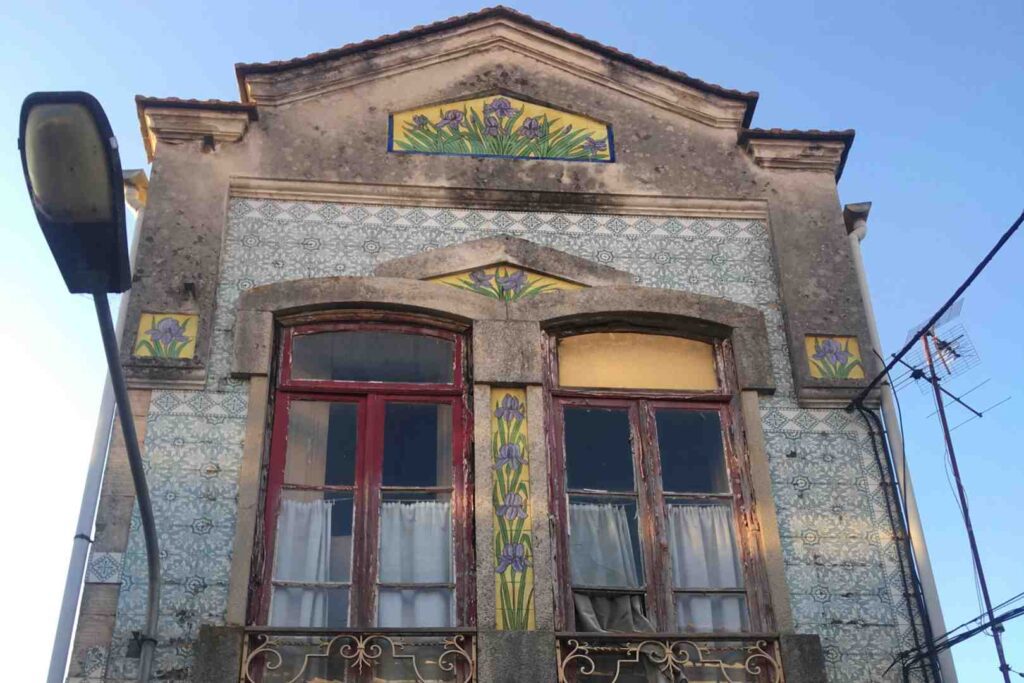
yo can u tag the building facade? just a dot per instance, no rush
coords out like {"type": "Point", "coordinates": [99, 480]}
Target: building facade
{"type": "Point", "coordinates": [486, 352]}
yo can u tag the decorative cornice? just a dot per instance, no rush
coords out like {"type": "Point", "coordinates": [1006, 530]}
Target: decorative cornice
{"type": "Point", "coordinates": [509, 17]}
{"type": "Point", "coordinates": [175, 121]}
{"type": "Point", "coordinates": [516, 40]}
{"type": "Point", "coordinates": [512, 200]}
{"type": "Point", "coordinates": [811, 150]}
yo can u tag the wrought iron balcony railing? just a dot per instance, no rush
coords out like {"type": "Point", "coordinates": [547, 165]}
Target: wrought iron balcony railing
{"type": "Point", "coordinates": [304, 655]}
{"type": "Point", "coordinates": [668, 658]}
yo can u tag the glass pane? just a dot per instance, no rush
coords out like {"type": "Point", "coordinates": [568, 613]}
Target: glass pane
{"type": "Point", "coordinates": [711, 612]}
{"type": "Point", "coordinates": [598, 454]}
{"type": "Point", "coordinates": [321, 443]}
{"type": "Point", "coordinates": [313, 542]}
{"type": "Point", "coordinates": [309, 607]}
{"type": "Point", "coordinates": [415, 540]}
{"type": "Point", "coordinates": [631, 360]}
{"type": "Point", "coordinates": [702, 543]}
{"type": "Point", "coordinates": [692, 454]}
{"type": "Point", "coordinates": [607, 611]}
{"type": "Point", "coordinates": [365, 356]}
{"type": "Point", "coordinates": [604, 547]}
{"type": "Point", "coordinates": [400, 607]}
{"type": "Point", "coordinates": [417, 444]}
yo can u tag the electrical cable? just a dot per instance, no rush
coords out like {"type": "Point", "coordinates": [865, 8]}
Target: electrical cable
{"type": "Point", "coordinates": [908, 553]}
{"type": "Point", "coordinates": [942, 309]}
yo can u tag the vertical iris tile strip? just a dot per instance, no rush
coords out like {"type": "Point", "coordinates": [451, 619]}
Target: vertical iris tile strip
{"type": "Point", "coordinates": [513, 524]}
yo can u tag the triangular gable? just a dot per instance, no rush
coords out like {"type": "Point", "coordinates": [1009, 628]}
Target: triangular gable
{"type": "Point", "coordinates": [505, 268]}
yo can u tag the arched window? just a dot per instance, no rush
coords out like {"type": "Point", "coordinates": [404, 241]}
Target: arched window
{"type": "Point", "coordinates": [366, 509]}
{"type": "Point", "coordinates": [647, 487]}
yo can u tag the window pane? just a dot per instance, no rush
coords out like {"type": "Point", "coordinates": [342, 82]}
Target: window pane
{"type": "Point", "coordinates": [321, 444]}
{"type": "Point", "coordinates": [692, 454]}
{"type": "Point", "coordinates": [415, 541]}
{"type": "Point", "coordinates": [598, 454]}
{"type": "Point", "coordinates": [711, 612]}
{"type": "Point", "coordinates": [313, 542]}
{"type": "Point", "coordinates": [702, 543]}
{"type": "Point", "coordinates": [605, 611]}
{"type": "Point", "coordinates": [417, 444]}
{"type": "Point", "coordinates": [631, 360]}
{"type": "Point", "coordinates": [415, 607]}
{"type": "Point", "coordinates": [309, 607]}
{"type": "Point", "coordinates": [604, 547]}
{"type": "Point", "coordinates": [364, 356]}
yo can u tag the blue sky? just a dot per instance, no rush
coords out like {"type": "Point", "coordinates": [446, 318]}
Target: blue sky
{"type": "Point", "coordinates": [934, 90]}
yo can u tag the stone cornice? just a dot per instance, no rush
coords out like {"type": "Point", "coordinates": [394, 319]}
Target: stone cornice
{"type": "Point", "coordinates": [176, 121]}
{"type": "Point", "coordinates": [509, 40]}
{"type": "Point", "coordinates": [798, 150]}
{"type": "Point", "coordinates": [512, 200]}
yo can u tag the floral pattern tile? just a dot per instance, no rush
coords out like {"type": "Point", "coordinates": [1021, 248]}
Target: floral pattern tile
{"type": "Point", "coordinates": [499, 126]}
{"type": "Point", "coordinates": [842, 561]}
{"type": "Point", "coordinates": [166, 335]}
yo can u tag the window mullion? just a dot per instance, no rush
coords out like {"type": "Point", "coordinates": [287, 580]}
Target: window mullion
{"type": "Point", "coordinates": [364, 585]}
{"type": "Point", "coordinates": [659, 588]}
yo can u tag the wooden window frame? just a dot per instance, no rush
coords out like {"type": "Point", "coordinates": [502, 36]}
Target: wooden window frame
{"type": "Point", "coordinates": [659, 593]}
{"type": "Point", "coordinates": [371, 399]}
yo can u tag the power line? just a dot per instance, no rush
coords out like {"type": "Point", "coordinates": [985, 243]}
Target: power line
{"type": "Point", "coordinates": [938, 314]}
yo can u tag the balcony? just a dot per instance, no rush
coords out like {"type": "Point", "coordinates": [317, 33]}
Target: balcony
{"type": "Point", "coordinates": [664, 658]}
{"type": "Point", "coordinates": [297, 655]}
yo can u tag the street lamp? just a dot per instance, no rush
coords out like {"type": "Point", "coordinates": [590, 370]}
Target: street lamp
{"type": "Point", "coordinates": [73, 172]}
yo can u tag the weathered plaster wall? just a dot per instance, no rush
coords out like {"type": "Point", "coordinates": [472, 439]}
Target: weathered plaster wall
{"type": "Point", "coordinates": [841, 562]}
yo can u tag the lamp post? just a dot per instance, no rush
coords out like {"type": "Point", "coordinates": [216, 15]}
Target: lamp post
{"type": "Point", "coordinates": [73, 172]}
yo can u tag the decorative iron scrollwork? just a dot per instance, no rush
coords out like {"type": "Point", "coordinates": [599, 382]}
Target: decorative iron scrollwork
{"type": "Point", "coordinates": [675, 660]}
{"type": "Point", "coordinates": [358, 652]}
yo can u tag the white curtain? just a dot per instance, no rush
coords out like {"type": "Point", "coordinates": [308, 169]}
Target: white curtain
{"type": "Point", "coordinates": [601, 554]}
{"type": "Point", "coordinates": [703, 548]}
{"type": "Point", "coordinates": [415, 547]}
{"type": "Point", "coordinates": [303, 553]}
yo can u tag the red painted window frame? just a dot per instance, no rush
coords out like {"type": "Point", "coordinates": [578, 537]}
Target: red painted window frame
{"type": "Point", "coordinates": [371, 399]}
{"type": "Point", "coordinates": [659, 594]}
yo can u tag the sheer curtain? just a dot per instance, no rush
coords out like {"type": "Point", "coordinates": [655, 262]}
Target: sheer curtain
{"type": "Point", "coordinates": [703, 547]}
{"type": "Point", "coordinates": [415, 547]}
{"type": "Point", "coordinates": [601, 554]}
{"type": "Point", "coordinates": [303, 554]}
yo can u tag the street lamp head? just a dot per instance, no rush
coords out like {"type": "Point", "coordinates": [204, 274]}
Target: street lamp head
{"type": "Point", "coordinates": [73, 172]}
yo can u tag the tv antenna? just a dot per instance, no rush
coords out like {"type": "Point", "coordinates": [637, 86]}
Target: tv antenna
{"type": "Point", "coordinates": [946, 352]}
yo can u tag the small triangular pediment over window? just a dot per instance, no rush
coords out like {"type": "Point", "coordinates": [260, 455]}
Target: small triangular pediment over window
{"type": "Point", "coordinates": [500, 126]}
{"type": "Point", "coordinates": [505, 268]}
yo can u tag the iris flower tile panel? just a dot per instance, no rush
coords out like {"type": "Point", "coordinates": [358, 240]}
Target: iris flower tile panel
{"type": "Point", "coordinates": [513, 522]}
{"type": "Point", "coordinates": [500, 126]}
{"type": "Point", "coordinates": [834, 357]}
{"type": "Point", "coordinates": [506, 282]}
{"type": "Point", "coordinates": [166, 335]}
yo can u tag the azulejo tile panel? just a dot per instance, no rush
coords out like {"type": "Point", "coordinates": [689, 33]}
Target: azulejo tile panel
{"type": "Point", "coordinates": [500, 126]}
{"type": "Point", "coordinates": [834, 357]}
{"type": "Point", "coordinates": [166, 335]}
{"type": "Point", "coordinates": [506, 282]}
{"type": "Point", "coordinates": [513, 519]}
{"type": "Point", "coordinates": [842, 560]}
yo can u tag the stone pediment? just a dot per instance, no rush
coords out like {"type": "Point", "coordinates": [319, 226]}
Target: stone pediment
{"type": "Point", "coordinates": [505, 268]}
{"type": "Point", "coordinates": [499, 37]}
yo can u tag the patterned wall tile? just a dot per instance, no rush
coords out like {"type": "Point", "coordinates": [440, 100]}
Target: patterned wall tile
{"type": "Point", "coordinates": [842, 561]}
{"type": "Point", "coordinates": [104, 567]}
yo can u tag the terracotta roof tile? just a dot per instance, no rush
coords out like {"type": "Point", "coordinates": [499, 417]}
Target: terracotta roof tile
{"type": "Point", "coordinates": [243, 69]}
